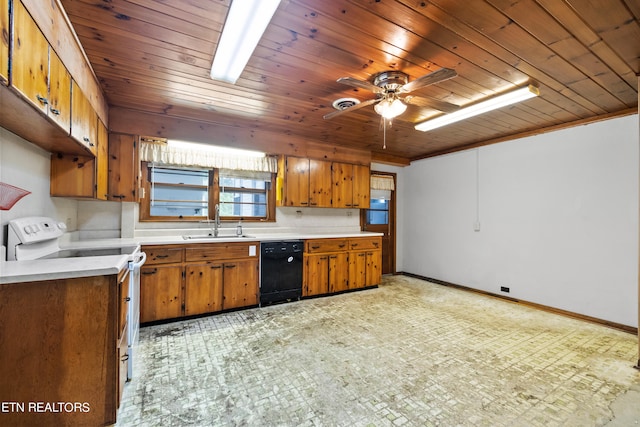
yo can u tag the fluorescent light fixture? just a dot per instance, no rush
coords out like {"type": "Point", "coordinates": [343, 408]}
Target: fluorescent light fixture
{"type": "Point", "coordinates": [480, 108]}
{"type": "Point", "coordinates": [390, 108]}
{"type": "Point", "coordinates": [215, 148]}
{"type": "Point", "coordinates": [246, 22]}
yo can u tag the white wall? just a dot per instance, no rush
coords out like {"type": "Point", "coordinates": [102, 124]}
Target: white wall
{"type": "Point", "coordinates": [24, 165]}
{"type": "Point", "coordinates": [558, 218]}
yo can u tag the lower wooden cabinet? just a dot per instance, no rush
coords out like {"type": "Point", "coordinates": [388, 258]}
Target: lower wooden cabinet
{"type": "Point", "coordinates": [188, 280]}
{"type": "Point", "coordinates": [337, 265]}
{"type": "Point", "coordinates": [71, 354]}
{"type": "Point", "coordinates": [240, 284]}
{"type": "Point", "coordinates": [203, 288]}
{"type": "Point", "coordinates": [160, 292]}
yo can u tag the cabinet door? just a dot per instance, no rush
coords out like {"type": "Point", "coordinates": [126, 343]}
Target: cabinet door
{"type": "Point", "coordinates": [240, 287]}
{"type": "Point", "coordinates": [203, 289]}
{"type": "Point", "coordinates": [123, 168]}
{"type": "Point", "coordinates": [342, 177]}
{"type": "Point", "coordinates": [72, 176]}
{"type": "Point", "coordinates": [374, 268]}
{"type": "Point", "coordinates": [357, 270]}
{"type": "Point", "coordinates": [338, 272]}
{"type": "Point", "coordinates": [30, 58]}
{"type": "Point", "coordinates": [361, 186]}
{"type": "Point", "coordinates": [4, 42]}
{"type": "Point", "coordinates": [319, 183]}
{"type": "Point", "coordinates": [83, 119]}
{"type": "Point", "coordinates": [316, 275]}
{"type": "Point", "coordinates": [160, 293]}
{"type": "Point", "coordinates": [297, 182]}
{"type": "Point", "coordinates": [102, 161]}
{"type": "Point", "coordinates": [59, 92]}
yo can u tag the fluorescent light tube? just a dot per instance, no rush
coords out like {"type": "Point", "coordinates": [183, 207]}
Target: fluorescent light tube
{"type": "Point", "coordinates": [246, 22]}
{"type": "Point", "coordinates": [499, 101]}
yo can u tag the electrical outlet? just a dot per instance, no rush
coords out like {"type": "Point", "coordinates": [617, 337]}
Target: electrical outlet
{"type": "Point", "coordinates": [504, 289]}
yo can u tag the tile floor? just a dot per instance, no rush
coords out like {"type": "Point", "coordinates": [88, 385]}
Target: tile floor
{"type": "Point", "coordinates": [408, 353]}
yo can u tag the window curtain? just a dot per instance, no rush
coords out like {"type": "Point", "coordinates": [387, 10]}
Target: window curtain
{"type": "Point", "coordinates": [178, 156]}
{"type": "Point", "coordinates": [382, 182]}
{"type": "Point", "coordinates": [381, 187]}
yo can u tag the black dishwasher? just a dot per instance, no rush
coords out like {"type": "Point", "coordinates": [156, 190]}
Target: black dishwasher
{"type": "Point", "coordinates": [280, 271]}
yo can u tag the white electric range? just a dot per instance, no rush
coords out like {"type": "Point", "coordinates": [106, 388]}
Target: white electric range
{"type": "Point", "coordinates": [37, 238]}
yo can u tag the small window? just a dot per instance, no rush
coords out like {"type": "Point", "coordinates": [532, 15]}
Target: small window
{"type": "Point", "coordinates": [179, 192]}
{"type": "Point", "coordinates": [378, 212]}
{"type": "Point", "coordinates": [243, 196]}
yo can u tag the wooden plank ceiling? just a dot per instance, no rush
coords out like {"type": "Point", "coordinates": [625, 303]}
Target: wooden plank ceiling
{"type": "Point", "coordinates": [154, 56]}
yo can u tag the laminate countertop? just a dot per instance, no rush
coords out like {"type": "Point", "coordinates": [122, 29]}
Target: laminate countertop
{"type": "Point", "coordinates": [65, 268]}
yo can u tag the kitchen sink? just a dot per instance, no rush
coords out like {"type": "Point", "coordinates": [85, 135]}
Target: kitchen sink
{"type": "Point", "coordinates": [220, 236]}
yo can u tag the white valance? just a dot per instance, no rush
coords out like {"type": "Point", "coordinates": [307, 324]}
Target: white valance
{"type": "Point", "coordinates": [178, 156]}
{"type": "Point", "coordinates": [382, 182]}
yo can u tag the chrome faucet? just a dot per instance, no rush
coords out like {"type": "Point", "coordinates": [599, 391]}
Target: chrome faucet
{"type": "Point", "coordinates": [216, 221]}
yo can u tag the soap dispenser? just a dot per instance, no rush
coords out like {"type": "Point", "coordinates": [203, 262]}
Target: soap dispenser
{"type": "Point", "coordinates": [239, 229]}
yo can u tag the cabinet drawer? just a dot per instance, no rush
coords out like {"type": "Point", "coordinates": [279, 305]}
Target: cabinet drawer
{"type": "Point", "coordinates": [365, 243]}
{"type": "Point", "coordinates": [162, 255]}
{"type": "Point", "coordinates": [221, 251]}
{"type": "Point", "coordinates": [326, 245]}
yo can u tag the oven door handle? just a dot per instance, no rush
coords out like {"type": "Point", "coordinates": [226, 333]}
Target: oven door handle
{"type": "Point", "coordinates": [137, 264]}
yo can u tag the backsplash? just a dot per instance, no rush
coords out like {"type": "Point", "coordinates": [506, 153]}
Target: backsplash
{"type": "Point", "coordinates": [97, 219]}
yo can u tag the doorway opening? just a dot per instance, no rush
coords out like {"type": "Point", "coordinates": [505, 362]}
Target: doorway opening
{"type": "Point", "coordinates": [381, 216]}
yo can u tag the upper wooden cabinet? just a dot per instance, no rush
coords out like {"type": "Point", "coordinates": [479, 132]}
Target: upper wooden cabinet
{"type": "Point", "coordinates": [36, 84]}
{"type": "Point", "coordinates": [124, 167]}
{"type": "Point", "coordinates": [29, 59]}
{"type": "Point", "coordinates": [102, 161]}
{"type": "Point", "coordinates": [59, 92]}
{"type": "Point", "coordinates": [320, 183]}
{"type": "Point", "coordinates": [82, 176]}
{"type": "Point", "coordinates": [83, 119]}
{"type": "Point", "coordinates": [4, 42]}
{"type": "Point", "coordinates": [351, 186]}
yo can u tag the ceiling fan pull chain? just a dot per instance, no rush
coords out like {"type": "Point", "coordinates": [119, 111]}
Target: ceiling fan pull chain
{"type": "Point", "coordinates": [384, 133]}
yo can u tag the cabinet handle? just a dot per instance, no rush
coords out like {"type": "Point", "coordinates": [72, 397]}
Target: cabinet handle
{"type": "Point", "coordinates": [313, 204]}
{"type": "Point", "coordinates": [353, 245]}
{"type": "Point", "coordinates": [124, 358]}
{"type": "Point", "coordinates": [55, 111]}
{"type": "Point", "coordinates": [315, 247]}
{"type": "Point", "coordinates": [118, 196]}
{"type": "Point", "coordinates": [149, 272]}
{"type": "Point", "coordinates": [348, 205]}
{"type": "Point", "coordinates": [375, 244]}
{"type": "Point", "coordinates": [127, 299]}
{"type": "Point", "coordinates": [162, 256]}
{"type": "Point", "coordinates": [88, 141]}
{"type": "Point", "coordinates": [304, 203]}
{"type": "Point", "coordinates": [356, 205]}
{"type": "Point", "coordinates": [42, 99]}
{"type": "Point", "coordinates": [229, 266]}
{"type": "Point", "coordinates": [342, 246]}
{"type": "Point", "coordinates": [216, 266]}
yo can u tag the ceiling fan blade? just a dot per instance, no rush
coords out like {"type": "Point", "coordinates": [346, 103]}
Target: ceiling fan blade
{"type": "Point", "coordinates": [428, 102]}
{"type": "Point", "coordinates": [429, 79]}
{"type": "Point", "coordinates": [333, 114]}
{"type": "Point", "coordinates": [360, 84]}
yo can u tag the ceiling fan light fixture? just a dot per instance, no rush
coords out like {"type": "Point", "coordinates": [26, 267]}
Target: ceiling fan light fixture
{"type": "Point", "coordinates": [246, 22]}
{"type": "Point", "coordinates": [494, 103]}
{"type": "Point", "coordinates": [390, 108]}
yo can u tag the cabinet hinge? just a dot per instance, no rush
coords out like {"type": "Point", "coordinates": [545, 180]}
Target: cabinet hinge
{"type": "Point", "coordinates": [184, 274]}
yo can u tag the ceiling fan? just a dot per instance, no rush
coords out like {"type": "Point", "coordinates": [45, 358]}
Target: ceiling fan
{"type": "Point", "coordinates": [391, 88]}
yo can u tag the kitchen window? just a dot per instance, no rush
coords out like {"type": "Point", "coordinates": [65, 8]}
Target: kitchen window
{"type": "Point", "coordinates": [190, 194]}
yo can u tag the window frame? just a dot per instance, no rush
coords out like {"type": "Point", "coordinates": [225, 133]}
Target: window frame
{"type": "Point", "coordinates": [213, 198]}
